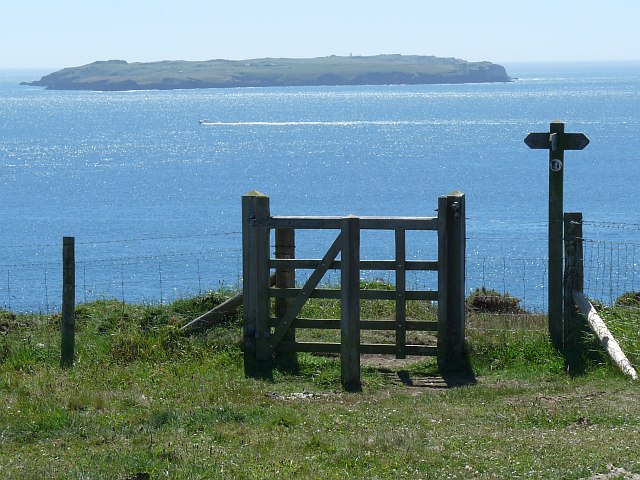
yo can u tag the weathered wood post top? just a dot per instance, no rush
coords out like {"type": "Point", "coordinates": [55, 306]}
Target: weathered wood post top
{"type": "Point", "coordinates": [556, 141]}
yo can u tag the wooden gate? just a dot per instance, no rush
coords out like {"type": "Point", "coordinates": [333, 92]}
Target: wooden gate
{"type": "Point", "coordinates": [270, 330]}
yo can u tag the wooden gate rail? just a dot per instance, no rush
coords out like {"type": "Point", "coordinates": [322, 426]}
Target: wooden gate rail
{"type": "Point", "coordinates": [366, 223]}
{"type": "Point", "coordinates": [265, 334]}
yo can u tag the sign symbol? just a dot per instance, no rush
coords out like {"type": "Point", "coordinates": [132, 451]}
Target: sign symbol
{"type": "Point", "coordinates": [555, 165]}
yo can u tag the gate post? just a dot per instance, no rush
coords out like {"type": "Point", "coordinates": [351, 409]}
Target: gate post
{"type": "Point", "coordinates": [68, 321]}
{"type": "Point", "coordinates": [573, 327]}
{"type": "Point", "coordinates": [350, 305]}
{"type": "Point", "coordinates": [451, 278]}
{"type": "Point", "coordinates": [255, 283]}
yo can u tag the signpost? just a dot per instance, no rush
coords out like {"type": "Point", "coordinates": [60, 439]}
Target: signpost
{"type": "Point", "coordinates": [556, 141]}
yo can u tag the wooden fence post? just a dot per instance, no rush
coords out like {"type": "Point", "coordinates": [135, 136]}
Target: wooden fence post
{"type": "Point", "coordinates": [68, 323]}
{"type": "Point", "coordinates": [255, 278]}
{"type": "Point", "coordinates": [286, 278]}
{"type": "Point", "coordinates": [350, 306]}
{"type": "Point", "coordinates": [451, 279]}
{"type": "Point", "coordinates": [573, 327]}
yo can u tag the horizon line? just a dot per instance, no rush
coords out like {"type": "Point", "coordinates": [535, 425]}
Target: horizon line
{"type": "Point", "coordinates": [499, 62]}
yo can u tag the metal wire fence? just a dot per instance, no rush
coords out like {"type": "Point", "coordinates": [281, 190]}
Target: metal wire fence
{"type": "Point", "coordinates": [612, 280]}
{"type": "Point", "coordinates": [158, 270]}
{"type": "Point", "coordinates": [176, 270]}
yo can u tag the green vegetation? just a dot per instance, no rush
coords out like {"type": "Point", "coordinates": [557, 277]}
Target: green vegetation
{"type": "Point", "coordinates": [269, 72]}
{"type": "Point", "coordinates": [622, 321]}
{"type": "Point", "coordinates": [490, 301]}
{"type": "Point", "coordinates": [145, 401]}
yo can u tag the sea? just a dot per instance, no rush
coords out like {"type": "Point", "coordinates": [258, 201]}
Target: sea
{"type": "Point", "coordinates": [153, 196]}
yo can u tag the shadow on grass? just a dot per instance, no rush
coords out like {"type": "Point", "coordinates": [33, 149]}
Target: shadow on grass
{"type": "Point", "coordinates": [418, 376]}
{"type": "Point", "coordinates": [583, 355]}
{"type": "Point", "coordinates": [287, 363]}
{"type": "Point", "coordinates": [414, 379]}
{"type": "Point", "coordinates": [432, 376]}
{"type": "Point", "coordinates": [459, 372]}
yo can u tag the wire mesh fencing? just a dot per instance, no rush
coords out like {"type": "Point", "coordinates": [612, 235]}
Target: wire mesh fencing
{"type": "Point", "coordinates": [102, 272]}
{"type": "Point", "coordinates": [612, 280]}
{"type": "Point", "coordinates": [160, 270]}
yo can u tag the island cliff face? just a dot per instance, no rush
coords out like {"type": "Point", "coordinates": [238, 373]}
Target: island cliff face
{"type": "Point", "coordinates": [116, 75]}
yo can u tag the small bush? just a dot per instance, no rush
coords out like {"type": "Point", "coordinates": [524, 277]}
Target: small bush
{"type": "Point", "coordinates": [198, 305]}
{"type": "Point", "coordinates": [628, 299]}
{"type": "Point", "coordinates": [483, 300]}
{"type": "Point", "coordinates": [7, 320]}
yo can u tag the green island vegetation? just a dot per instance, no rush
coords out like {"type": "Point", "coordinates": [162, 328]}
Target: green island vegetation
{"type": "Point", "coordinates": [145, 401]}
{"type": "Point", "coordinates": [114, 75]}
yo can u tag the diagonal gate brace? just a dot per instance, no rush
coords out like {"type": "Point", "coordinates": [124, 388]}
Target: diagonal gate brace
{"type": "Point", "coordinates": [305, 293]}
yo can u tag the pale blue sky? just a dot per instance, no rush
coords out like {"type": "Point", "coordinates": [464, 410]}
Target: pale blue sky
{"type": "Point", "coordinates": [55, 34]}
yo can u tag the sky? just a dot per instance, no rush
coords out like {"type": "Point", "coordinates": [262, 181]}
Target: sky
{"type": "Point", "coordinates": [65, 33]}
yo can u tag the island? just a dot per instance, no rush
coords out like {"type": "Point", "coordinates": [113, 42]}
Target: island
{"type": "Point", "coordinates": [119, 75]}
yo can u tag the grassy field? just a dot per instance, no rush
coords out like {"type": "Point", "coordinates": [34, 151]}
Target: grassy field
{"type": "Point", "coordinates": [144, 401]}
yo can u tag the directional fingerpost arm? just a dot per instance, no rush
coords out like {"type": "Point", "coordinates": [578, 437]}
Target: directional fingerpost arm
{"type": "Point", "coordinates": [543, 141]}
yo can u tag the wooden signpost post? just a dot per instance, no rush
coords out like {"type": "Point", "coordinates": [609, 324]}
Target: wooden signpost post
{"type": "Point", "coordinates": [556, 141]}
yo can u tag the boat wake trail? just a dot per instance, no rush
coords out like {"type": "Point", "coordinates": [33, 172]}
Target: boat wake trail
{"type": "Point", "coordinates": [346, 123]}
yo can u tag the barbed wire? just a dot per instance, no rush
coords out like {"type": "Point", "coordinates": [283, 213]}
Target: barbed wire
{"type": "Point", "coordinates": [168, 237]}
{"type": "Point", "coordinates": [124, 240]}
{"type": "Point", "coordinates": [609, 242]}
{"type": "Point", "coordinates": [612, 225]}
{"type": "Point", "coordinates": [126, 259]}
{"type": "Point", "coordinates": [37, 286]}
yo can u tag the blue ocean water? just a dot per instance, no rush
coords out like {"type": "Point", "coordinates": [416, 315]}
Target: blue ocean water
{"type": "Point", "coordinates": [153, 197]}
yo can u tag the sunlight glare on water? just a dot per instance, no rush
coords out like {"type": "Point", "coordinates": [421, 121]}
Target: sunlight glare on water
{"type": "Point", "coordinates": [116, 168]}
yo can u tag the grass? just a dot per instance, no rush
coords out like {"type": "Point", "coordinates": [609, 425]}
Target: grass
{"type": "Point", "coordinates": [144, 401]}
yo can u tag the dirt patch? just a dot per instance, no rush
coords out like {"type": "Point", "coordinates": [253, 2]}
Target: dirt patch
{"type": "Point", "coordinates": [296, 396]}
{"type": "Point", "coordinates": [389, 361]}
{"type": "Point", "coordinates": [615, 473]}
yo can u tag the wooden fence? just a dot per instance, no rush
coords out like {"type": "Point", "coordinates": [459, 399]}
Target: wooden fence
{"type": "Point", "coordinates": [270, 330]}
